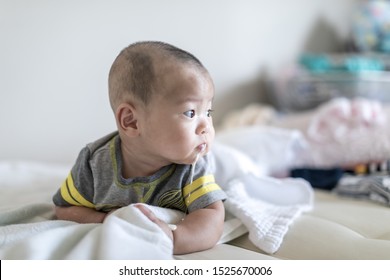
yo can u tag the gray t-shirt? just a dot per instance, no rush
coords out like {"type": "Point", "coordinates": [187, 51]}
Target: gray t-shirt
{"type": "Point", "coordinates": [96, 181]}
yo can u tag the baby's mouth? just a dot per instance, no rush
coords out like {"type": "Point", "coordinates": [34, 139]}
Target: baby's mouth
{"type": "Point", "coordinates": [201, 148]}
{"type": "Point", "coordinates": [199, 152]}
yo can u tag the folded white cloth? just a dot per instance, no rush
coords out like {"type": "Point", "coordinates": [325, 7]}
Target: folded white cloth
{"type": "Point", "coordinates": [266, 206]}
{"type": "Point", "coordinates": [251, 200]}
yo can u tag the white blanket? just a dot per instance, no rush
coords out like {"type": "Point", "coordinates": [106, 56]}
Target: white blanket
{"type": "Point", "coordinates": [263, 206]}
{"type": "Point", "coordinates": [266, 206]}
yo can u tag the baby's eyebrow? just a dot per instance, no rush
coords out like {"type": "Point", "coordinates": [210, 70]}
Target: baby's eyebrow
{"type": "Point", "coordinates": [193, 100]}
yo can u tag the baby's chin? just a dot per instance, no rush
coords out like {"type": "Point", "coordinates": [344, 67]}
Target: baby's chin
{"type": "Point", "coordinates": [191, 159]}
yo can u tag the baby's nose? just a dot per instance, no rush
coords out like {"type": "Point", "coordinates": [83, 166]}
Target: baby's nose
{"type": "Point", "coordinates": [204, 127]}
{"type": "Point", "coordinates": [205, 130]}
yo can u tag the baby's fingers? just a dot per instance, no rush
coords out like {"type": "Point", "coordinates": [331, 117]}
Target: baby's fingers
{"type": "Point", "coordinates": [148, 213]}
{"type": "Point", "coordinates": [151, 216]}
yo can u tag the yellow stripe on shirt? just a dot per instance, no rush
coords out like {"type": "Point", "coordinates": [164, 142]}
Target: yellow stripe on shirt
{"type": "Point", "coordinates": [65, 194]}
{"type": "Point", "coordinates": [71, 195]}
{"type": "Point", "coordinates": [201, 181]}
{"type": "Point", "coordinates": [200, 192]}
{"type": "Point", "coordinates": [198, 188]}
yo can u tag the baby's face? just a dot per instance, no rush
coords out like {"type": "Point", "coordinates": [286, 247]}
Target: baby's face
{"type": "Point", "coordinates": [178, 124]}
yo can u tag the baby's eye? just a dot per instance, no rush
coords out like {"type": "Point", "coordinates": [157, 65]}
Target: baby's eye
{"type": "Point", "coordinates": [189, 113]}
{"type": "Point", "coordinates": [209, 113]}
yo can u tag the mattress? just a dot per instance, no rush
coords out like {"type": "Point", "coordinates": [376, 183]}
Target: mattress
{"type": "Point", "coordinates": [337, 228]}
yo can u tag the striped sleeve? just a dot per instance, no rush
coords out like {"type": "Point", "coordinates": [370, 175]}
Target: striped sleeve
{"type": "Point", "coordinates": [71, 195]}
{"type": "Point", "coordinates": [204, 185]}
{"type": "Point", "coordinates": [203, 191]}
{"type": "Point", "coordinates": [77, 188]}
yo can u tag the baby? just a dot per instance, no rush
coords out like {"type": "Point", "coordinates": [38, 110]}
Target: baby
{"type": "Point", "coordinates": [162, 101]}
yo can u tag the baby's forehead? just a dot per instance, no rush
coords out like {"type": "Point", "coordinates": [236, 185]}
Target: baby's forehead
{"type": "Point", "coordinates": [173, 68]}
{"type": "Point", "coordinates": [183, 84]}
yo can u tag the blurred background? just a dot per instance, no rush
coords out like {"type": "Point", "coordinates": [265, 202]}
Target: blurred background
{"type": "Point", "coordinates": [55, 57]}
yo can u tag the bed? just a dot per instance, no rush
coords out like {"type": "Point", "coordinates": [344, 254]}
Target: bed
{"type": "Point", "coordinates": [269, 215]}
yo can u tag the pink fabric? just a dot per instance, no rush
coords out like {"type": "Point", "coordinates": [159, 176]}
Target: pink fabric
{"type": "Point", "coordinates": [345, 132]}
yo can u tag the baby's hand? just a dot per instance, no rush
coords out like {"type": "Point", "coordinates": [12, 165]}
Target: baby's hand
{"type": "Point", "coordinates": [148, 213]}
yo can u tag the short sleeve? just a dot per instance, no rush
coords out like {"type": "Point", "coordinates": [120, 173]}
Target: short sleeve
{"type": "Point", "coordinates": [203, 190]}
{"type": "Point", "coordinates": [78, 188]}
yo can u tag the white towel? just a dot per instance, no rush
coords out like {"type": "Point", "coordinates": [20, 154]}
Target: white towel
{"type": "Point", "coordinates": [253, 200]}
{"type": "Point", "coordinates": [266, 206]}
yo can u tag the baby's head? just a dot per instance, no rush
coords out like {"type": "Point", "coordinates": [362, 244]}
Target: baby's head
{"type": "Point", "coordinates": [162, 96]}
{"type": "Point", "coordinates": [139, 68]}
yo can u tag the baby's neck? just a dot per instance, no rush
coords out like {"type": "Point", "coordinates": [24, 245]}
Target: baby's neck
{"type": "Point", "coordinates": [136, 164]}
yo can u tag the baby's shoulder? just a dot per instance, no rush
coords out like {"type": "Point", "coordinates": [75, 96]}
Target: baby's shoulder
{"type": "Point", "coordinates": [99, 150]}
{"type": "Point", "coordinates": [101, 142]}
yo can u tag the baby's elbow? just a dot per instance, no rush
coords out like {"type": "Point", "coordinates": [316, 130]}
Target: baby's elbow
{"type": "Point", "coordinates": [219, 210]}
{"type": "Point", "coordinates": [219, 218]}
{"type": "Point", "coordinates": [59, 212]}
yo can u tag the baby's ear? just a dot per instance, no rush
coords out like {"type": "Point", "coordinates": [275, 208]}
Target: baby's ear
{"type": "Point", "coordinates": [126, 119]}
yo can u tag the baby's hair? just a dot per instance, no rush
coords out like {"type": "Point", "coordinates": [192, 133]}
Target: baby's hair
{"type": "Point", "coordinates": [134, 73]}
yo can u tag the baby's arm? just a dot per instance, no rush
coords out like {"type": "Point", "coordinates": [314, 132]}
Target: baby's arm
{"type": "Point", "coordinates": [80, 214]}
{"type": "Point", "coordinates": [200, 230]}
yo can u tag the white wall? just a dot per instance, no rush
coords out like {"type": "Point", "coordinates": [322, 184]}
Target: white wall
{"type": "Point", "coordinates": [55, 56]}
